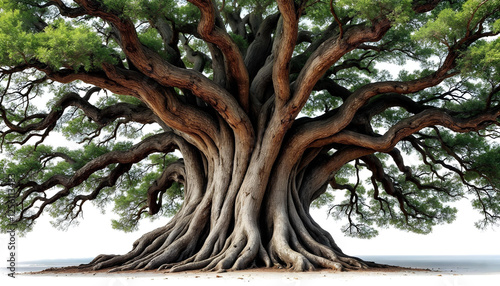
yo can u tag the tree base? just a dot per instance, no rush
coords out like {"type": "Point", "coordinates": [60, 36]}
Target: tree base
{"type": "Point", "coordinates": [153, 251]}
{"type": "Point", "coordinates": [87, 269]}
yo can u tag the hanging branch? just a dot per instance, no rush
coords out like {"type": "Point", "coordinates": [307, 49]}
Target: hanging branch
{"type": "Point", "coordinates": [332, 10]}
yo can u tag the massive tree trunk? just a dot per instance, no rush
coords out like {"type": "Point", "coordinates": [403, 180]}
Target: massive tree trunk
{"type": "Point", "coordinates": [243, 205]}
{"type": "Point", "coordinates": [241, 209]}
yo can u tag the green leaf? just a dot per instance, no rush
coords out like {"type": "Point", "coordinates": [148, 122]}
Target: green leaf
{"type": "Point", "coordinates": [60, 44]}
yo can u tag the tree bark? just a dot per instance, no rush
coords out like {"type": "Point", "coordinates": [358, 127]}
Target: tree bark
{"type": "Point", "coordinates": [230, 222]}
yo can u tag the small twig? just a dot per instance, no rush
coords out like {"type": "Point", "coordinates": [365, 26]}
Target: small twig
{"type": "Point", "coordinates": [472, 17]}
{"type": "Point", "coordinates": [332, 10]}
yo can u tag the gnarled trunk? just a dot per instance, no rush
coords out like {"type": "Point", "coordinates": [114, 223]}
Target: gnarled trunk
{"type": "Point", "coordinates": [240, 210]}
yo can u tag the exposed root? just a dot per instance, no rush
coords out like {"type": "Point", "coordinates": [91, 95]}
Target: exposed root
{"type": "Point", "coordinates": [292, 247]}
{"type": "Point", "coordinates": [245, 255]}
{"type": "Point", "coordinates": [296, 257]}
{"type": "Point", "coordinates": [188, 243]}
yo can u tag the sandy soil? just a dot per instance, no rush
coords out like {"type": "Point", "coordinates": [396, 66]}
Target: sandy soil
{"type": "Point", "coordinates": [76, 269]}
{"type": "Point", "coordinates": [71, 276]}
{"type": "Point", "coordinates": [265, 271]}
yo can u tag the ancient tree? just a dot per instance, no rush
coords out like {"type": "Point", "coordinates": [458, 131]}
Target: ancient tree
{"type": "Point", "coordinates": [384, 111]}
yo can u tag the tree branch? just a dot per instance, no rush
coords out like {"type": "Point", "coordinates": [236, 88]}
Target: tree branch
{"type": "Point", "coordinates": [106, 182]}
{"type": "Point", "coordinates": [152, 65]}
{"type": "Point", "coordinates": [340, 118]}
{"type": "Point", "coordinates": [104, 117]}
{"type": "Point", "coordinates": [174, 172]}
{"type": "Point", "coordinates": [333, 48]}
{"type": "Point", "coordinates": [284, 44]}
{"type": "Point", "coordinates": [164, 142]}
{"type": "Point", "coordinates": [329, 53]}
{"type": "Point", "coordinates": [236, 69]}
{"type": "Point", "coordinates": [63, 9]}
{"type": "Point", "coordinates": [405, 205]}
{"type": "Point", "coordinates": [341, 29]}
{"type": "Point", "coordinates": [198, 59]}
{"type": "Point", "coordinates": [411, 125]}
{"type": "Point", "coordinates": [197, 125]}
{"type": "Point", "coordinates": [260, 48]}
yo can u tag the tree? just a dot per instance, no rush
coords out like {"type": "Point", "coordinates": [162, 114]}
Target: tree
{"type": "Point", "coordinates": [275, 106]}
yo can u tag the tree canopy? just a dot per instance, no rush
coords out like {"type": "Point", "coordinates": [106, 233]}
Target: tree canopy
{"type": "Point", "coordinates": [235, 117]}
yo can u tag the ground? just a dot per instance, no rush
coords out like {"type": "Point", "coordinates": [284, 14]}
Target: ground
{"type": "Point", "coordinates": [388, 276]}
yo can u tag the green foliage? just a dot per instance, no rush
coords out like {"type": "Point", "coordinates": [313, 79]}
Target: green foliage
{"type": "Point", "coordinates": [181, 12]}
{"type": "Point", "coordinates": [10, 209]}
{"type": "Point", "coordinates": [263, 8]}
{"type": "Point", "coordinates": [27, 164]}
{"type": "Point", "coordinates": [483, 60]}
{"type": "Point", "coordinates": [488, 163]}
{"type": "Point", "coordinates": [415, 47]}
{"type": "Point", "coordinates": [425, 206]}
{"type": "Point", "coordinates": [452, 24]}
{"type": "Point", "coordinates": [322, 101]}
{"type": "Point", "coordinates": [369, 208]}
{"type": "Point", "coordinates": [427, 203]}
{"type": "Point", "coordinates": [318, 15]}
{"type": "Point", "coordinates": [60, 44]}
{"type": "Point", "coordinates": [151, 39]}
{"type": "Point", "coordinates": [240, 41]}
{"type": "Point", "coordinates": [389, 117]}
{"type": "Point", "coordinates": [132, 194]}
{"type": "Point", "coordinates": [479, 158]}
{"type": "Point", "coordinates": [397, 11]}
{"type": "Point", "coordinates": [64, 45]}
{"type": "Point", "coordinates": [141, 8]}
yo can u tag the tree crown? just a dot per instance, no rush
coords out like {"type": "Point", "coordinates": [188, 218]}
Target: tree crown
{"type": "Point", "coordinates": [383, 79]}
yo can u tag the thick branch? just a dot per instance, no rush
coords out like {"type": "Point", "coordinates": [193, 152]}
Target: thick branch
{"type": "Point", "coordinates": [378, 174]}
{"type": "Point", "coordinates": [328, 53]}
{"type": "Point", "coordinates": [333, 48]}
{"type": "Point", "coordinates": [63, 9]}
{"type": "Point", "coordinates": [96, 78]}
{"type": "Point", "coordinates": [104, 117]}
{"type": "Point", "coordinates": [333, 88]}
{"type": "Point", "coordinates": [198, 59]}
{"type": "Point", "coordinates": [174, 172]}
{"type": "Point", "coordinates": [369, 144]}
{"type": "Point", "coordinates": [337, 120]}
{"type": "Point", "coordinates": [386, 101]}
{"type": "Point", "coordinates": [284, 45]}
{"type": "Point", "coordinates": [411, 125]}
{"type": "Point", "coordinates": [325, 167]}
{"type": "Point", "coordinates": [199, 126]}
{"type": "Point", "coordinates": [164, 142]}
{"type": "Point", "coordinates": [234, 60]}
{"type": "Point", "coordinates": [259, 49]}
{"type": "Point", "coordinates": [152, 65]}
